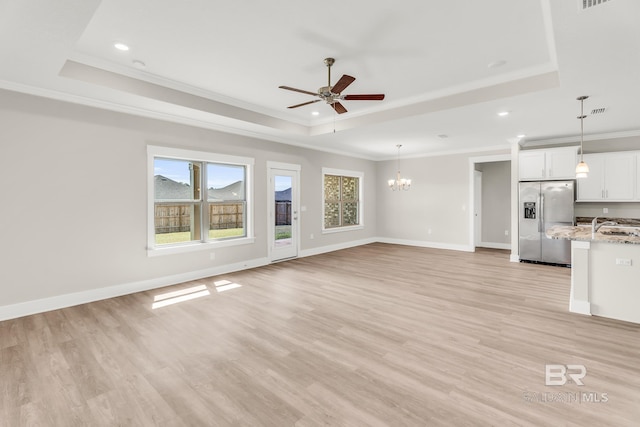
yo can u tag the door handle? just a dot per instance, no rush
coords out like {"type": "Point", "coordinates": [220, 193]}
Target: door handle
{"type": "Point", "coordinates": [541, 216]}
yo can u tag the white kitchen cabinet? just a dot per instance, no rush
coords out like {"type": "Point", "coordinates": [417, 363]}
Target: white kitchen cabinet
{"type": "Point", "coordinates": [592, 187]}
{"type": "Point", "coordinates": [612, 178]}
{"type": "Point", "coordinates": [548, 164]}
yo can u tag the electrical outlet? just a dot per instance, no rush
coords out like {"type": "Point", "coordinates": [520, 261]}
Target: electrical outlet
{"type": "Point", "coordinates": [311, 236]}
{"type": "Point", "coordinates": [506, 232]}
{"type": "Point", "coordinates": [605, 210]}
{"type": "Point", "coordinates": [623, 261]}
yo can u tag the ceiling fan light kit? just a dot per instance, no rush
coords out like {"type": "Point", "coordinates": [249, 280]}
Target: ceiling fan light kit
{"type": "Point", "coordinates": [333, 94]}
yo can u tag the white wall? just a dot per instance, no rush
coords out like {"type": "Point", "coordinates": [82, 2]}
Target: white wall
{"type": "Point", "coordinates": [438, 202]}
{"type": "Point", "coordinates": [74, 213]}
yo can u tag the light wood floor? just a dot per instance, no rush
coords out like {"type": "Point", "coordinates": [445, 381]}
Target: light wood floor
{"type": "Point", "coordinates": [379, 335]}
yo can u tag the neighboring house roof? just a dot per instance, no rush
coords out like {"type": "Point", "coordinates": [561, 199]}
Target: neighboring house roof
{"type": "Point", "coordinates": [168, 189]}
{"type": "Point", "coordinates": [233, 191]}
{"type": "Point", "coordinates": [283, 195]}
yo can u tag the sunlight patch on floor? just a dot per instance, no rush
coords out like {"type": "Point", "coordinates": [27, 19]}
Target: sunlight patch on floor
{"type": "Point", "coordinates": [175, 297]}
{"type": "Point", "coordinates": [225, 285]}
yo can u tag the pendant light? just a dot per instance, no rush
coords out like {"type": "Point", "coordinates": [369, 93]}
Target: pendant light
{"type": "Point", "coordinates": [399, 183]}
{"type": "Point", "coordinates": [582, 170]}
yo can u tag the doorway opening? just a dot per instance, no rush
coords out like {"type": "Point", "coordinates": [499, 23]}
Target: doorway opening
{"type": "Point", "coordinates": [490, 190]}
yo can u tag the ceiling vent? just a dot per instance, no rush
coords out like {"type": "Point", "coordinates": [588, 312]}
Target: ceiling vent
{"type": "Point", "coordinates": [598, 110]}
{"type": "Point", "coordinates": [588, 4]}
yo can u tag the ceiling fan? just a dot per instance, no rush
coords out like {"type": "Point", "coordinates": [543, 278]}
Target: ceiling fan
{"type": "Point", "coordinates": [333, 94]}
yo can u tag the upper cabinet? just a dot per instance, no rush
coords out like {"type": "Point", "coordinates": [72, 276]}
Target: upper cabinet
{"type": "Point", "coordinates": [612, 178]}
{"type": "Point", "coordinates": [548, 164]}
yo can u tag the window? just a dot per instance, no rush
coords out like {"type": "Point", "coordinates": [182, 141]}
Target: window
{"type": "Point", "coordinates": [342, 204]}
{"type": "Point", "coordinates": [197, 200]}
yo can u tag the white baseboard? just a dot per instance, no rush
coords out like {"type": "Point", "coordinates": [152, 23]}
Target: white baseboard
{"type": "Point", "coordinates": [492, 245]}
{"type": "Point", "coordinates": [514, 257]}
{"type": "Point", "coordinates": [336, 247]}
{"type": "Point", "coordinates": [426, 244]}
{"type": "Point", "coordinates": [67, 300]}
{"type": "Point", "coordinates": [579, 306]}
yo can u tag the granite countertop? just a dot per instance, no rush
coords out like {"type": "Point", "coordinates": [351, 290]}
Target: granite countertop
{"type": "Point", "coordinates": [626, 222]}
{"type": "Point", "coordinates": [583, 232]}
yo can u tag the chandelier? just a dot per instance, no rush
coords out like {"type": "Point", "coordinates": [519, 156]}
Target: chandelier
{"type": "Point", "coordinates": [582, 170]}
{"type": "Point", "coordinates": [399, 183]}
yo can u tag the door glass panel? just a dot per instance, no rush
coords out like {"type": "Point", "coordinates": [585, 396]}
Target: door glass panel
{"type": "Point", "coordinates": [282, 209]}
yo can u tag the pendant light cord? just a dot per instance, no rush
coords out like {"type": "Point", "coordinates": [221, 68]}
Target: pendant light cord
{"type": "Point", "coordinates": [582, 116]}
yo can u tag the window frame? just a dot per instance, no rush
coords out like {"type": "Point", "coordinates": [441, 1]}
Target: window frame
{"type": "Point", "coordinates": [203, 157]}
{"type": "Point", "coordinates": [350, 174]}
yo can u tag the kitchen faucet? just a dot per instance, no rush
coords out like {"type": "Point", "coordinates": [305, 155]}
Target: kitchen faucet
{"type": "Point", "coordinates": [595, 226]}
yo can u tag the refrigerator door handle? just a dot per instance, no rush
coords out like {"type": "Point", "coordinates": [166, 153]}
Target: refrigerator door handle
{"type": "Point", "coordinates": [541, 221]}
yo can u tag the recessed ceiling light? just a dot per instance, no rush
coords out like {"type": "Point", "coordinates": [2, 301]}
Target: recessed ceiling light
{"type": "Point", "coordinates": [315, 113]}
{"type": "Point", "coordinates": [522, 135]}
{"type": "Point", "coordinates": [121, 46]}
{"type": "Point", "coordinates": [503, 113]}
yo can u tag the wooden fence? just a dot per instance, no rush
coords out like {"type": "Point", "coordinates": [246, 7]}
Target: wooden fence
{"type": "Point", "coordinates": [283, 213]}
{"type": "Point", "coordinates": [177, 218]}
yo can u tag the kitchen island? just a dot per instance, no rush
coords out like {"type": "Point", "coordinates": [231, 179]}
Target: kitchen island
{"type": "Point", "coordinates": [605, 270]}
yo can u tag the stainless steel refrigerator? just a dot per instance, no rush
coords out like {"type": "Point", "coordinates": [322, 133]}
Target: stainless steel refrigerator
{"type": "Point", "coordinates": [543, 204]}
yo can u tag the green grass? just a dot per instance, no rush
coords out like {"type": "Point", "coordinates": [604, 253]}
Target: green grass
{"type": "Point", "coordinates": [185, 236]}
{"type": "Point", "coordinates": [283, 232]}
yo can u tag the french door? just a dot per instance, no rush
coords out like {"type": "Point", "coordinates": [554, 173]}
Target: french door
{"type": "Point", "coordinates": [283, 210]}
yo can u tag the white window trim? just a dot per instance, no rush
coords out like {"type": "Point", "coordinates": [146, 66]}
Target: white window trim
{"type": "Point", "coordinates": [349, 173]}
{"type": "Point", "coordinates": [154, 151]}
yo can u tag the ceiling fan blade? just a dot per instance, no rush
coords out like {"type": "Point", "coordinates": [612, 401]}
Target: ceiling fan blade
{"type": "Point", "coordinates": [339, 108]}
{"type": "Point", "coordinates": [298, 90]}
{"type": "Point", "coordinates": [305, 103]}
{"type": "Point", "coordinates": [342, 83]}
{"type": "Point", "coordinates": [368, 97]}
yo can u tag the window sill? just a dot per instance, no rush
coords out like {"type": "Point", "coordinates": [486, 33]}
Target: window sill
{"type": "Point", "coordinates": [198, 246]}
{"type": "Point", "coordinates": [342, 229]}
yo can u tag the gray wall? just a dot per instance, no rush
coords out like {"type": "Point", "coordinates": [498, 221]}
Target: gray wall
{"type": "Point", "coordinates": [496, 202]}
{"type": "Point", "coordinates": [74, 214]}
{"type": "Point", "coordinates": [437, 202]}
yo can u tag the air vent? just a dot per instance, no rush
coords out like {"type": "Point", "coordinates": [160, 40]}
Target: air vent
{"type": "Point", "coordinates": [598, 110]}
{"type": "Point", "coordinates": [588, 4]}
